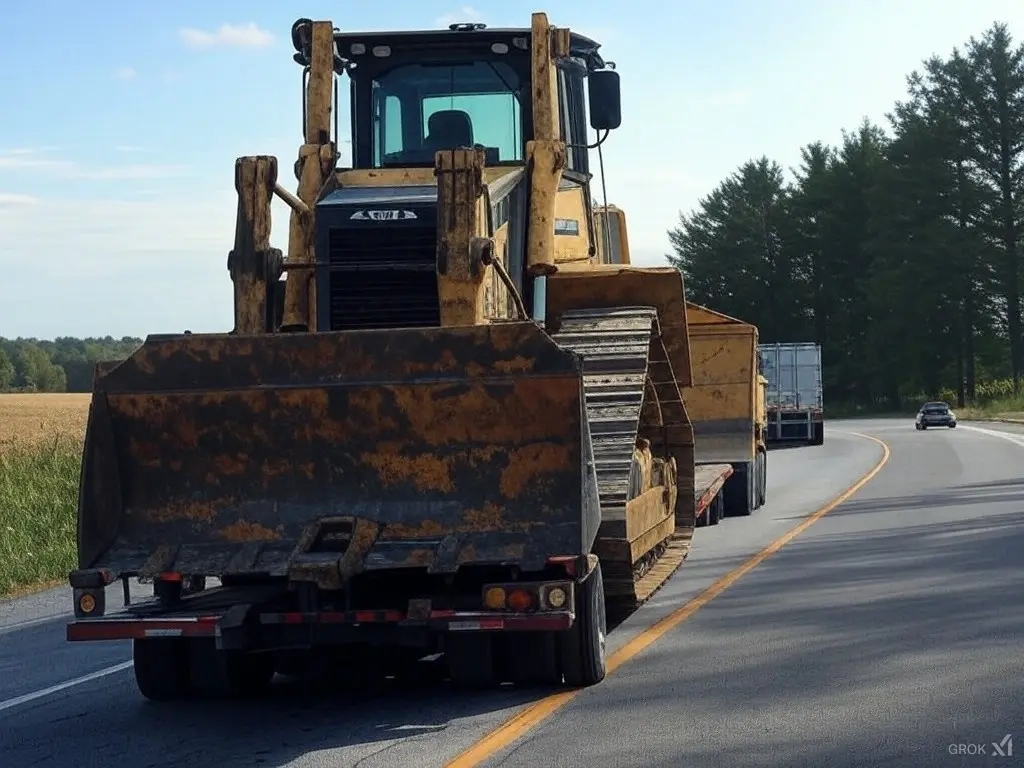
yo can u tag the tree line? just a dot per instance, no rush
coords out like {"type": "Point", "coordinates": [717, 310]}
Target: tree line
{"type": "Point", "coordinates": [899, 250]}
{"type": "Point", "coordinates": [62, 365]}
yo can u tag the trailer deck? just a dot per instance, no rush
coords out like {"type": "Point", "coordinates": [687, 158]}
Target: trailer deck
{"type": "Point", "coordinates": [245, 617]}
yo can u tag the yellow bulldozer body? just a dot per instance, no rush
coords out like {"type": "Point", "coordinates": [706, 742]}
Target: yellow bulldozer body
{"type": "Point", "coordinates": [454, 364]}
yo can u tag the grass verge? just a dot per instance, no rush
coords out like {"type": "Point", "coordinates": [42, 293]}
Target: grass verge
{"type": "Point", "coordinates": [1004, 408]}
{"type": "Point", "coordinates": [38, 494]}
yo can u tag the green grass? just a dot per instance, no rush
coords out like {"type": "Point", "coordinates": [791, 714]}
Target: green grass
{"type": "Point", "coordinates": [38, 495]}
{"type": "Point", "coordinates": [1005, 407]}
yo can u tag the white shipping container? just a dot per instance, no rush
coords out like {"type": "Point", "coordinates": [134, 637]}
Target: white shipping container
{"type": "Point", "coordinates": [794, 375]}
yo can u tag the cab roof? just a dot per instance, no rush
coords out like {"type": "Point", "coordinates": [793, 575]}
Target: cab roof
{"type": "Point", "coordinates": [580, 46]}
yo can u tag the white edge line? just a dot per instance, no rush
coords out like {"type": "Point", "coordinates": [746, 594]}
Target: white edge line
{"type": "Point", "coordinates": [1016, 439]}
{"type": "Point", "coordinates": [27, 623]}
{"type": "Point", "coordinates": [17, 701]}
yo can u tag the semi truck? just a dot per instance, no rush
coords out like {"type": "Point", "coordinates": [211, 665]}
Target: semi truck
{"type": "Point", "coordinates": [727, 405]}
{"type": "Point", "coordinates": [795, 398]}
{"type": "Point", "coordinates": [448, 423]}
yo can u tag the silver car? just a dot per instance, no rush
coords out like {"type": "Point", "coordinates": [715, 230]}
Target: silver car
{"type": "Point", "coordinates": [935, 414]}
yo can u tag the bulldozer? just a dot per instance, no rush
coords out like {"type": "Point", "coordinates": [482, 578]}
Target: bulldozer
{"type": "Point", "coordinates": [448, 421]}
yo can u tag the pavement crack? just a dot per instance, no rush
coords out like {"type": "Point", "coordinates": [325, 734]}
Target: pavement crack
{"type": "Point", "coordinates": [380, 751]}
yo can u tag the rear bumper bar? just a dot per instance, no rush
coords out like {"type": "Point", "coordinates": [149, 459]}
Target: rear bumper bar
{"type": "Point", "coordinates": [277, 624]}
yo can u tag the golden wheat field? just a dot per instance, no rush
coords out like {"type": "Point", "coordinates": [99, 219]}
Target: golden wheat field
{"type": "Point", "coordinates": [33, 418]}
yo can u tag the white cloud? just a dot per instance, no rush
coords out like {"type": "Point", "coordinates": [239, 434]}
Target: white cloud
{"type": "Point", "coordinates": [125, 74]}
{"type": "Point", "coordinates": [148, 266]}
{"type": "Point", "coordinates": [14, 199]}
{"type": "Point", "coordinates": [27, 157]}
{"type": "Point", "coordinates": [33, 158]}
{"type": "Point", "coordinates": [465, 14]}
{"type": "Point", "coordinates": [129, 172]}
{"type": "Point", "coordinates": [27, 150]}
{"type": "Point", "coordinates": [128, 148]}
{"type": "Point", "coordinates": [14, 161]}
{"type": "Point", "coordinates": [227, 36]}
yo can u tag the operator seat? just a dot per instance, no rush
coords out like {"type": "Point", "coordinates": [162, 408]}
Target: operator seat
{"type": "Point", "coordinates": [448, 129]}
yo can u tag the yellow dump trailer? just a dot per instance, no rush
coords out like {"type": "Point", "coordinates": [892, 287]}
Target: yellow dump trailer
{"type": "Point", "coordinates": [726, 404]}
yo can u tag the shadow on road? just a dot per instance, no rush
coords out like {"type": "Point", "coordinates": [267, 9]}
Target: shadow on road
{"type": "Point", "coordinates": [962, 496]}
{"type": "Point", "coordinates": [876, 648]}
{"type": "Point", "coordinates": [118, 729]}
{"type": "Point", "coordinates": [818, 634]}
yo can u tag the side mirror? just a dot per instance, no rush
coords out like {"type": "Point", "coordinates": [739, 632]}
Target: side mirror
{"type": "Point", "coordinates": [605, 100]}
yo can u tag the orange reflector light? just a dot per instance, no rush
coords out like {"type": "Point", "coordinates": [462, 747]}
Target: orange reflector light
{"type": "Point", "coordinates": [519, 600]}
{"type": "Point", "coordinates": [87, 603]}
{"type": "Point", "coordinates": [494, 598]}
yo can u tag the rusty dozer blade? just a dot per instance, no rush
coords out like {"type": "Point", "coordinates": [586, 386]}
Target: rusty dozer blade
{"type": "Point", "coordinates": [320, 455]}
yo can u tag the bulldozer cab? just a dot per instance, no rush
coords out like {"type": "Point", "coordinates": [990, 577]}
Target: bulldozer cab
{"type": "Point", "coordinates": [436, 116]}
{"type": "Point", "coordinates": [414, 93]}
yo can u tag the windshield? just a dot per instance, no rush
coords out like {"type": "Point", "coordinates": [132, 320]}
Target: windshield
{"type": "Point", "coordinates": [419, 109]}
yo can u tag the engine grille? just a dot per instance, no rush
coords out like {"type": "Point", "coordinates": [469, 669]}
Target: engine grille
{"type": "Point", "coordinates": [383, 276]}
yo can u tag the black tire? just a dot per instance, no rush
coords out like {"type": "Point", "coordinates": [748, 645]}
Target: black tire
{"type": "Point", "coordinates": [161, 668]}
{"type": "Point", "coordinates": [583, 646]}
{"type": "Point", "coordinates": [952, 426]}
{"type": "Point", "coordinates": [713, 514]}
{"type": "Point", "coordinates": [762, 479]}
{"type": "Point", "coordinates": [470, 659]}
{"type": "Point", "coordinates": [924, 427]}
{"type": "Point", "coordinates": [755, 496]}
{"type": "Point", "coordinates": [738, 492]}
{"type": "Point", "coordinates": [818, 433]}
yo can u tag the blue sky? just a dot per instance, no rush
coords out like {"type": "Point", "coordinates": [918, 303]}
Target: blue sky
{"type": "Point", "coordinates": [121, 123]}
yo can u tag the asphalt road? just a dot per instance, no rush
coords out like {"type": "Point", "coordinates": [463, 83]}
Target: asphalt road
{"type": "Point", "coordinates": [887, 631]}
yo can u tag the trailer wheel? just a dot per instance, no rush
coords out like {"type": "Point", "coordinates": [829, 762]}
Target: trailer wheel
{"type": "Point", "coordinates": [161, 668]}
{"type": "Point", "coordinates": [470, 658]}
{"type": "Point", "coordinates": [739, 490]}
{"type": "Point", "coordinates": [714, 512]}
{"type": "Point", "coordinates": [755, 490]}
{"type": "Point", "coordinates": [818, 433]}
{"type": "Point", "coordinates": [762, 479]}
{"type": "Point", "coordinates": [583, 646]}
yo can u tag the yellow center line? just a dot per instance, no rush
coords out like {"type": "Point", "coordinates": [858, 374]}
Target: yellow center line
{"type": "Point", "coordinates": [534, 714]}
